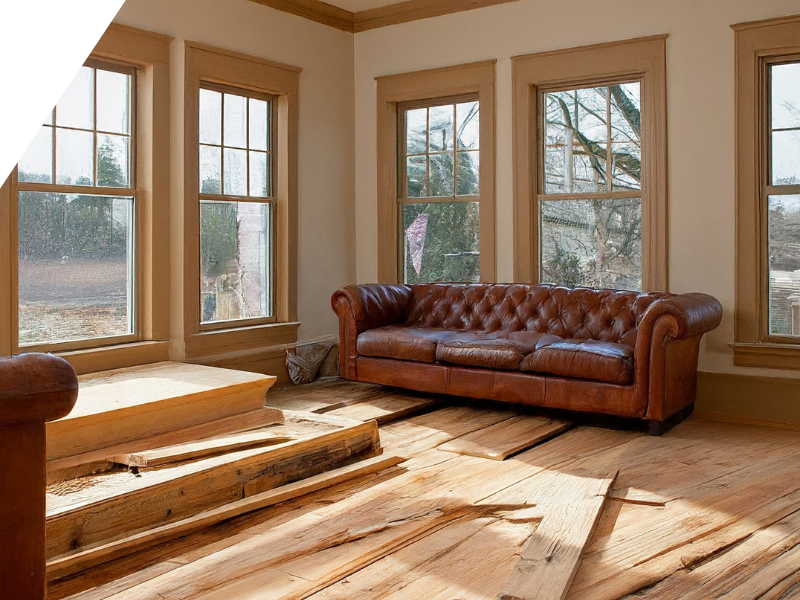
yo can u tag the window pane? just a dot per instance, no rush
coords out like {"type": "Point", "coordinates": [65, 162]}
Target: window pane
{"type": "Point", "coordinates": [235, 109]}
{"type": "Point", "coordinates": [468, 173]}
{"type": "Point", "coordinates": [785, 157]}
{"type": "Point", "coordinates": [210, 161]}
{"type": "Point", "coordinates": [786, 96]}
{"type": "Point", "coordinates": [235, 172]}
{"type": "Point", "coordinates": [626, 146]}
{"type": "Point", "coordinates": [74, 157]}
{"type": "Point", "coordinates": [784, 265]}
{"type": "Point", "coordinates": [441, 242]}
{"type": "Point", "coordinates": [75, 265]}
{"type": "Point", "coordinates": [441, 175]}
{"type": "Point", "coordinates": [259, 124]}
{"type": "Point", "coordinates": [36, 165]}
{"type": "Point", "coordinates": [76, 107]}
{"type": "Point", "coordinates": [440, 121]}
{"type": "Point", "coordinates": [595, 243]}
{"type": "Point", "coordinates": [468, 125]}
{"type": "Point", "coordinates": [113, 101]}
{"type": "Point", "coordinates": [557, 148]}
{"type": "Point", "coordinates": [210, 117]}
{"type": "Point", "coordinates": [416, 126]}
{"type": "Point", "coordinates": [259, 174]}
{"type": "Point", "coordinates": [579, 125]}
{"type": "Point", "coordinates": [49, 119]}
{"type": "Point", "coordinates": [113, 160]}
{"type": "Point", "coordinates": [416, 177]}
{"type": "Point", "coordinates": [234, 261]}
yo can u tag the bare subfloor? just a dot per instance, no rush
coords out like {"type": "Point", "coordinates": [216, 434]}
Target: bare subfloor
{"type": "Point", "coordinates": [710, 510]}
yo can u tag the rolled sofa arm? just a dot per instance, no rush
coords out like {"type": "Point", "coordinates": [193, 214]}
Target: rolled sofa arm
{"type": "Point", "coordinates": [362, 307]}
{"type": "Point", "coordinates": [667, 350]}
{"type": "Point", "coordinates": [693, 314]}
{"type": "Point", "coordinates": [373, 305]}
{"type": "Point", "coordinates": [34, 389]}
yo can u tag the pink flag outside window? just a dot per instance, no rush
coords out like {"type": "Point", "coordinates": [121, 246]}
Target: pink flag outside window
{"type": "Point", "coordinates": [415, 234]}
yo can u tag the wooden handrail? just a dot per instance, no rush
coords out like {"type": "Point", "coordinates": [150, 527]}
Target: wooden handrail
{"type": "Point", "coordinates": [34, 389]}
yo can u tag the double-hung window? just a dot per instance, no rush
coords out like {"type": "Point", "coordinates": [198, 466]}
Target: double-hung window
{"type": "Point", "coordinates": [590, 166]}
{"type": "Point", "coordinates": [436, 175]}
{"type": "Point", "coordinates": [76, 197]}
{"type": "Point", "coordinates": [85, 267]}
{"type": "Point", "coordinates": [589, 189]}
{"type": "Point", "coordinates": [767, 319]}
{"type": "Point", "coordinates": [439, 191]}
{"type": "Point", "coordinates": [235, 158]}
{"type": "Point", "coordinates": [239, 225]}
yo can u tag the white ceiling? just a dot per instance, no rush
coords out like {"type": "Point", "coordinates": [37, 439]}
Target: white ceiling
{"type": "Point", "coordinates": [359, 5]}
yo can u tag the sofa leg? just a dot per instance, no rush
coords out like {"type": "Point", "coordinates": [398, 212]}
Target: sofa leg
{"type": "Point", "coordinates": [661, 427]}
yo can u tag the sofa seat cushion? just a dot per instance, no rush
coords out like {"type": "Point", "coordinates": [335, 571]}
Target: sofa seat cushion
{"type": "Point", "coordinates": [403, 343]}
{"type": "Point", "coordinates": [492, 350]}
{"type": "Point", "coordinates": [583, 359]}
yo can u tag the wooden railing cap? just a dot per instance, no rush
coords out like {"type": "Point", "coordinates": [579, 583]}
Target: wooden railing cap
{"type": "Point", "coordinates": [36, 387]}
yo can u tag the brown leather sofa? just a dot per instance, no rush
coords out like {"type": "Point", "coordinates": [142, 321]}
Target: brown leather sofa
{"type": "Point", "coordinates": [615, 352]}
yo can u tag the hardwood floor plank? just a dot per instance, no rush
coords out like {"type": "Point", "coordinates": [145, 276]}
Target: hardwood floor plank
{"type": "Point", "coordinates": [503, 439]}
{"type": "Point", "coordinates": [549, 560]}
{"type": "Point", "coordinates": [687, 509]}
{"type": "Point", "coordinates": [747, 570]}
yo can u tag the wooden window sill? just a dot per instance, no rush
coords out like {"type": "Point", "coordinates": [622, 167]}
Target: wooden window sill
{"type": "Point", "coordinates": [766, 356]}
{"type": "Point", "coordinates": [116, 357]}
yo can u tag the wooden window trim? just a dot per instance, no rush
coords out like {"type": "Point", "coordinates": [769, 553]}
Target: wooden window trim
{"type": "Point", "coordinates": [207, 64]}
{"type": "Point", "coordinates": [148, 53]}
{"type": "Point", "coordinates": [431, 85]}
{"type": "Point", "coordinates": [758, 44]}
{"type": "Point", "coordinates": [642, 59]}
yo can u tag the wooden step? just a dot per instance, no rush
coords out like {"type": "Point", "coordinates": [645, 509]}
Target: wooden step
{"type": "Point", "coordinates": [98, 554]}
{"type": "Point", "coordinates": [124, 405]}
{"type": "Point", "coordinates": [100, 508]}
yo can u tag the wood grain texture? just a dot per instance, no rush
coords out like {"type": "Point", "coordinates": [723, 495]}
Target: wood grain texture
{"type": "Point", "coordinates": [550, 559]}
{"type": "Point", "coordinates": [444, 526]}
{"type": "Point", "coordinates": [500, 441]}
{"type": "Point", "coordinates": [119, 504]}
{"type": "Point", "coordinates": [122, 405]}
{"type": "Point", "coordinates": [80, 465]}
{"type": "Point", "coordinates": [197, 450]}
{"type": "Point", "coordinates": [82, 560]}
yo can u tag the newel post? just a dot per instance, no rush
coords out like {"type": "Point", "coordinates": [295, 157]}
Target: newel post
{"type": "Point", "coordinates": [34, 389]}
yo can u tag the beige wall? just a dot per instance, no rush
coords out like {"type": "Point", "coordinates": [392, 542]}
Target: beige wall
{"type": "Point", "coordinates": [700, 71]}
{"type": "Point", "coordinates": [325, 212]}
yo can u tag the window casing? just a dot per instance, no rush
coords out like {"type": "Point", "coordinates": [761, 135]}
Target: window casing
{"type": "Point", "coordinates": [436, 175]}
{"type": "Point", "coordinates": [767, 316]}
{"type": "Point", "coordinates": [208, 335]}
{"type": "Point", "coordinates": [141, 214]}
{"type": "Point", "coordinates": [590, 166]}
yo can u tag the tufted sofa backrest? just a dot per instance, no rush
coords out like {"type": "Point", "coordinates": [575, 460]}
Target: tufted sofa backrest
{"type": "Point", "coordinates": [574, 313]}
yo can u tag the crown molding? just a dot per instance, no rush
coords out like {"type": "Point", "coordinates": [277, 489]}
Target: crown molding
{"type": "Point", "coordinates": [374, 18]}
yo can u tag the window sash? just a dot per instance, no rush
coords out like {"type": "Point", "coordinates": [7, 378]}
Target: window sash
{"type": "Point", "coordinates": [17, 187]}
{"type": "Point", "coordinates": [767, 189]}
{"type": "Point", "coordinates": [269, 200]}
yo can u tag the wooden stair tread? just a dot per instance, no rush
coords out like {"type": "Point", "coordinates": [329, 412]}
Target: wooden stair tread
{"type": "Point", "coordinates": [123, 405]}
{"type": "Point", "coordinates": [119, 389]}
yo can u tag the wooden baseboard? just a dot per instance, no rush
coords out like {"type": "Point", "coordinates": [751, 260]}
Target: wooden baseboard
{"type": "Point", "coordinates": [771, 401]}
